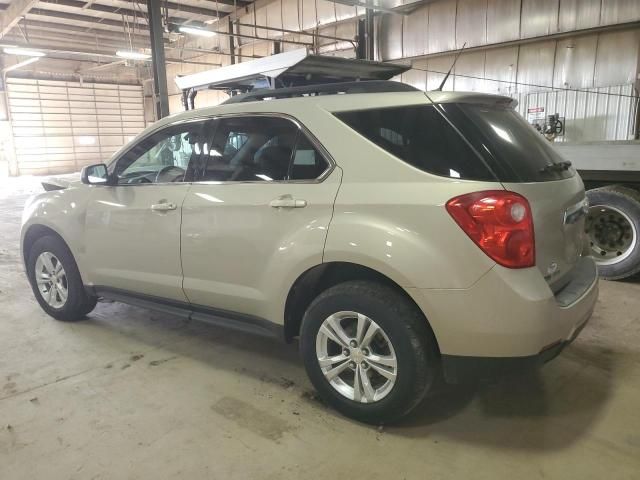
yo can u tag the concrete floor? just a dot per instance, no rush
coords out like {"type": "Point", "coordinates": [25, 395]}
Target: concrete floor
{"type": "Point", "coordinates": [132, 394]}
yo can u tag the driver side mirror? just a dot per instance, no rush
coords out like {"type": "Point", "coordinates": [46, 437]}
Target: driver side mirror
{"type": "Point", "coordinates": [95, 174]}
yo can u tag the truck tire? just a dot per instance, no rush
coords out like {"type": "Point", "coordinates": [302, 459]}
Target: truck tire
{"type": "Point", "coordinates": [613, 226]}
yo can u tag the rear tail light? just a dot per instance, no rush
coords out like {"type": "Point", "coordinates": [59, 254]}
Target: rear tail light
{"type": "Point", "coordinates": [500, 223]}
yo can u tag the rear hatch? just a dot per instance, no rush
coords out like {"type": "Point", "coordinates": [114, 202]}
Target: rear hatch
{"type": "Point", "coordinates": [526, 163]}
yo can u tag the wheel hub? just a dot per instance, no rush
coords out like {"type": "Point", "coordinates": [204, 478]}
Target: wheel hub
{"type": "Point", "coordinates": [51, 280]}
{"type": "Point", "coordinates": [356, 357]}
{"type": "Point", "coordinates": [612, 234]}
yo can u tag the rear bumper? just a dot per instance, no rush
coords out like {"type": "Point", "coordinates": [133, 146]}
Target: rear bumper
{"type": "Point", "coordinates": [460, 369]}
{"type": "Point", "coordinates": [509, 320]}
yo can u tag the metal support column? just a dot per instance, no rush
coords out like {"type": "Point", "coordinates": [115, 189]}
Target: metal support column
{"type": "Point", "coordinates": [232, 45]}
{"type": "Point", "coordinates": [158, 60]}
{"type": "Point", "coordinates": [369, 33]}
{"type": "Point", "coordinates": [361, 49]}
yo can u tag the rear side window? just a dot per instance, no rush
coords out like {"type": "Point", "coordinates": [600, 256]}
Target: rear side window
{"type": "Point", "coordinates": [308, 163]}
{"type": "Point", "coordinates": [420, 136]}
{"type": "Point", "coordinates": [523, 153]}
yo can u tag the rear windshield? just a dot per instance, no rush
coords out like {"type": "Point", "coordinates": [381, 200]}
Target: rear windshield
{"type": "Point", "coordinates": [420, 136]}
{"type": "Point", "coordinates": [522, 153]}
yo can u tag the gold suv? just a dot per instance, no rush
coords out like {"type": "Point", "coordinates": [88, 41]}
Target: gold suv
{"type": "Point", "coordinates": [400, 235]}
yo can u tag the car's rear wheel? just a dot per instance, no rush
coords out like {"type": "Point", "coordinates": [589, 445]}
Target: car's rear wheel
{"type": "Point", "coordinates": [55, 280]}
{"type": "Point", "coordinates": [368, 351]}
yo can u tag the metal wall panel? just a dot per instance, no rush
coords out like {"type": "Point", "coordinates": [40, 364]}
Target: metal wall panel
{"type": "Point", "coordinates": [620, 11]}
{"type": "Point", "coordinates": [308, 14]}
{"type": "Point", "coordinates": [471, 23]}
{"type": "Point", "coordinates": [539, 17]}
{"type": "Point", "coordinates": [535, 65]}
{"type": "Point", "coordinates": [500, 70]}
{"type": "Point", "coordinates": [60, 126]}
{"type": "Point", "coordinates": [579, 14]}
{"type": "Point", "coordinates": [415, 32]}
{"type": "Point", "coordinates": [575, 62]}
{"type": "Point", "coordinates": [344, 12]}
{"type": "Point", "coordinates": [470, 65]}
{"type": "Point", "coordinates": [617, 58]}
{"type": "Point", "coordinates": [261, 18]}
{"type": "Point", "coordinates": [326, 12]}
{"type": "Point", "coordinates": [437, 68]}
{"type": "Point", "coordinates": [503, 20]}
{"type": "Point", "coordinates": [274, 19]}
{"type": "Point", "coordinates": [417, 76]}
{"type": "Point", "coordinates": [390, 44]}
{"type": "Point", "coordinates": [442, 27]}
{"type": "Point", "coordinates": [291, 20]}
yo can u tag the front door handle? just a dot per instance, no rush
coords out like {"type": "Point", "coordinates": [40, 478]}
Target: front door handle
{"type": "Point", "coordinates": [287, 201]}
{"type": "Point", "coordinates": [163, 206]}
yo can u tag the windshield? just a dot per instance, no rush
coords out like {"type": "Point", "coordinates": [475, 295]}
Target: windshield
{"type": "Point", "coordinates": [516, 145]}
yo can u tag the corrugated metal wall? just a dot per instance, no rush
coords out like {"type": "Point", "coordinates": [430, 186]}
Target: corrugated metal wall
{"type": "Point", "coordinates": [61, 126]}
{"type": "Point", "coordinates": [511, 53]}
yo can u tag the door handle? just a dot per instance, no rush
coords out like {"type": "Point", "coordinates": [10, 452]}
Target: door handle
{"type": "Point", "coordinates": [287, 201]}
{"type": "Point", "coordinates": [163, 207]}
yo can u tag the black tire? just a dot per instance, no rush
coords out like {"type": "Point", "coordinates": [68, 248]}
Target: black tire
{"type": "Point", "coordinates": [79, 303]}
{"type": "Point", "coordinates": [408, 331]}
{"type": "Point", "coordinates": [627, 201]}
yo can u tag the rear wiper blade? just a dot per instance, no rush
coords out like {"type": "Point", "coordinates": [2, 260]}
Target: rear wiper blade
{"type": "Point", "coordinates": [560, 166]}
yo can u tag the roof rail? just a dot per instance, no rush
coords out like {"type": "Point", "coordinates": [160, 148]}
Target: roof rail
{"type": "Point", "coordinates": [367, 86]}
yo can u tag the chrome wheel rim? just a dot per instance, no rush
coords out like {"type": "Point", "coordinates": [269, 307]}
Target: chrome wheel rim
{"type": "Point", "coordinates": [356, 357]}
{"type": "Point", "coordinates": [612, 234]}
{"type": "Point", "coordinates": [51, 280]}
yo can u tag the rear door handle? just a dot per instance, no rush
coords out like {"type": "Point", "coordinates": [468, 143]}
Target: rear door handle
{"type": "Point", "coordinates": [287, 202]}
{"type": "Point", "coordinates": [163, 207]}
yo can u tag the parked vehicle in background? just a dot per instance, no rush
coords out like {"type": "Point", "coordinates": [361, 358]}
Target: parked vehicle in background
{"type": "Point", "coordinates": [611, 171]}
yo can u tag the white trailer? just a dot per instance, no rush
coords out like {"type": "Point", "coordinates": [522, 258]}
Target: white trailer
{"type": "Point", "coordinates": [611, 173]}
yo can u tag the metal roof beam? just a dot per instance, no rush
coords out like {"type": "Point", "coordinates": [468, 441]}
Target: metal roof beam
{"type": "Point", "coordinates": [84, 18]}
{"type": "Point", "coordinates": [13, 14]}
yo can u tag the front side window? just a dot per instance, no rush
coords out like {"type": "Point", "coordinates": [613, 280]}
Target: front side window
{"type": "Point", "coordinates": [165, 156]}
{"type": "Point", "coordinates": [420, 136]}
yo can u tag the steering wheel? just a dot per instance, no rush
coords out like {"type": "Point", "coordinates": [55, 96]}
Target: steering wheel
{"type": "Point", "coordinates": [178, 172]}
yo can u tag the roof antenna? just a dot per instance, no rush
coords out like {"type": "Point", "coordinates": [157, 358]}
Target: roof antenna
{"type": "Point", "coordinates": [446, 77]}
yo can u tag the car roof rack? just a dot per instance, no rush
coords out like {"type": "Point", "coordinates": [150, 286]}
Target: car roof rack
{"type": "Point", "coordinates": [368, 86]}
{"type": "Point", "coordinates": [296, 68]}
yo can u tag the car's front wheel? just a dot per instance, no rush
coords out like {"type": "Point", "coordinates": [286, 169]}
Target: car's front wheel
{"type": "Point", "coordinates": [55, 280]}
{"type": "Point", "coordinates": [368, 351]}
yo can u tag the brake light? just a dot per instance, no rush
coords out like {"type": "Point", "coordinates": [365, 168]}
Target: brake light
{"type": "Point", "coordinates": [500, 223]}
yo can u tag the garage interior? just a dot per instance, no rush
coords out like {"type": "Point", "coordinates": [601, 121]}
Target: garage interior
{"type": "Point", "coordinates": [130, 393]}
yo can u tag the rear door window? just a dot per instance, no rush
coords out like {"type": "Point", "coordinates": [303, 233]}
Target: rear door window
{"type": "Point", "coordinates": [420, 136]}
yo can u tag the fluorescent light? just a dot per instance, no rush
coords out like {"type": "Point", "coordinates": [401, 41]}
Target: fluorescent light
{"type": "Point", "coordinates": [22, 64]}
{"type": "Point", "coordinates": [23, 51]}
{"type": "Point", "coordinates": [197, 31]}
{"type": "Point", "coordinates": [131, 55]}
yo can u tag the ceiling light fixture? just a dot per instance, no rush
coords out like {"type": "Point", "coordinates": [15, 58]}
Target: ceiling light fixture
{"type": "Point", "coordinates": [197, 31]}
{"type": "Point", "coordinates": [131, 55]}
{"type": "Point", "coordinates": [25, 52]}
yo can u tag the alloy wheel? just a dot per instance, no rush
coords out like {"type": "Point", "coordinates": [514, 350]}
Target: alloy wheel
{"type": "Point", "coordinates": [356, 357]}
{"type": "Point", "coordinates": [51, 280]}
